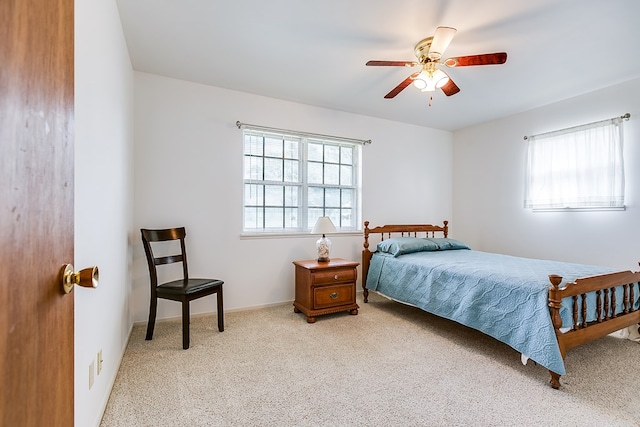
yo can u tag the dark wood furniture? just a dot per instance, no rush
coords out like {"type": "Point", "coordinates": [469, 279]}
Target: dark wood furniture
{"type": "Point", "coordinates": [183, 290]}
{"type": "Point", "coordinates": [609, 319]}
{"type": "Point", "coordinates": [325, 287]}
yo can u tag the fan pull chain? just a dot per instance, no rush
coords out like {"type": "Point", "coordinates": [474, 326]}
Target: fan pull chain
{"type": "Point", "coordinates": [430, 99]}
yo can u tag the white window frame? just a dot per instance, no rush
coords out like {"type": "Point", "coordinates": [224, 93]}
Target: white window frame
{"type": "Point", "coordinates": [579, 168]}
{"type": "Point", "coordinates": [296, 182]}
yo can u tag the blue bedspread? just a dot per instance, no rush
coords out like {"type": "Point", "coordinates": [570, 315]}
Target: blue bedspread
{"type": "Point", "coordinates": [503, 296]}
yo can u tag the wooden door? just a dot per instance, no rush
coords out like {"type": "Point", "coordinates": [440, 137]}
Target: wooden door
{"type": "Point", "coordinates": [36, 212]}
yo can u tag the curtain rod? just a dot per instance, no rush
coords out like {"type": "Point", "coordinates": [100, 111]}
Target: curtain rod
{"type": "Point", "coordinates": [317, 135]}
{"type": "Point", "coordinates": [626, 116]}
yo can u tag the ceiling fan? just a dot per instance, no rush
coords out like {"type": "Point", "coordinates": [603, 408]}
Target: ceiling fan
{"type": "Point", "coordinates": [429, 51]}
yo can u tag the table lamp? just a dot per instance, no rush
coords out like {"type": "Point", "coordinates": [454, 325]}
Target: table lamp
{"type": "Point", "coordinates": [323, 226]}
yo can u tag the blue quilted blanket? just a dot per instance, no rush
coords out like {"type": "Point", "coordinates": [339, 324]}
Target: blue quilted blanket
{"type": "Point", "coordinates": [502, 296]}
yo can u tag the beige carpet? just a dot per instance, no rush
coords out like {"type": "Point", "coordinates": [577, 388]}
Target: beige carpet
{"type": "Point", "coordinates": [391, 365]}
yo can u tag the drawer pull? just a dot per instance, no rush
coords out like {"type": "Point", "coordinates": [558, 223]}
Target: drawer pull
{"type": "Point", "coordinates": [333, 295]}
{"type": "Point", "coordinates": [335, 277]}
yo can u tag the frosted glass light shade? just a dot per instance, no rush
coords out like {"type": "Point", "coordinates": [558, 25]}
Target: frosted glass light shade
{"type": "Point", "coordinates": [419, 82]}
{"type": "Point", "coordinates": [323, 245]}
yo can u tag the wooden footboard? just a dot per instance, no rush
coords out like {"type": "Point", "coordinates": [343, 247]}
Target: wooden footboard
{"type": "Point", "coordinates": [609, 289]}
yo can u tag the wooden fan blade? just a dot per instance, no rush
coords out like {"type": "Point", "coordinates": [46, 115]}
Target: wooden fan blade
{"type": "Point", "coordinates": [406, 82]}
{"type": "Point", "coordinates": [484, 59]}
{"type": "Point", "coordinates": [450, 88]}
{"type": "Point", "coordinates": [392, 63]}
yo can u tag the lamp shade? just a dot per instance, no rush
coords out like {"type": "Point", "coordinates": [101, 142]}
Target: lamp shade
{"type": "Point", "coordinates": [323, 226]}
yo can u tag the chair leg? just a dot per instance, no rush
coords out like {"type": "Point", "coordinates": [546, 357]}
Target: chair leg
{"type": "Point", "coordinates": [152, 318]}
{"type": "Point", "coordinates": [185, 324]}
{"type": "Point", "coordinates": [220, 310]}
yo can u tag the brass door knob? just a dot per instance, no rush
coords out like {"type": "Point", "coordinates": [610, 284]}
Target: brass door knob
{"type": "Point", "coordinates": [87, 278]}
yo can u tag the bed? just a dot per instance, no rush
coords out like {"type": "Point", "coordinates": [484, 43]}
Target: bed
{"type": "Point", "coordinates": [540, 308]}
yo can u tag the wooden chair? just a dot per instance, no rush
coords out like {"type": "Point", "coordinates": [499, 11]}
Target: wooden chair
{"type": "Point", "coordinates": [183, 290]}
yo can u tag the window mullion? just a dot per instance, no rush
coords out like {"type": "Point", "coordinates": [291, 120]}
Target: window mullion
{"type": "Point", "coordinates": [284, 193]}
{"type": "Point", "coordinates": [304, 199]}
{"type": "Point", "coordinates": [264, 187]}
{"type": "Point", "coordinates": [324, 174]}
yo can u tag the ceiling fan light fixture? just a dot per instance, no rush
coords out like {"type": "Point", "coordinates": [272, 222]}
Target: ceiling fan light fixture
{"type": "Point", "coordinates": [432, 81]}
{"type": "Point", "coordinates": [440, 78]}
{"type": "Point", "coordinates": [420, 83]}
{"type": "Point", "coordinates": [429, 53]}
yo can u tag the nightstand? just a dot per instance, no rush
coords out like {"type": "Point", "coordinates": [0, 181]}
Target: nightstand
{"type": "Point", "coordinates": [325, 287]}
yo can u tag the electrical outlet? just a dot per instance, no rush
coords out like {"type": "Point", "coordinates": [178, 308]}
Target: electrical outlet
{"type": "Point", "coordinates": [91, 370]}
{"type": "Point", "coordinates": [99, 361]}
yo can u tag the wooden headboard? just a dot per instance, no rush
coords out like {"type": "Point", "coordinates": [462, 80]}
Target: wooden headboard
{"type": "Point", "coordinates": [395, 230]}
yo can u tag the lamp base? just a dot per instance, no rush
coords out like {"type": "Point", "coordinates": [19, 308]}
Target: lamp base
{"type": "Point", "coordinates": [324, 246]}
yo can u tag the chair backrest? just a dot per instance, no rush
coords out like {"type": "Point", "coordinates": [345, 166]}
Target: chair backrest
{"type": "Point", "coordinates": [163, 235]}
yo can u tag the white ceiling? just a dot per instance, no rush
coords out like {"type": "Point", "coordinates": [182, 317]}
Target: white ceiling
{"type": "Point", "coordinates": [314, 52]}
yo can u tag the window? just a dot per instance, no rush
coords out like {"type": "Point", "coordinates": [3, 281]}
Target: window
{"type": "Point", "coordinates": [576, 168]}
{"type": "Point", "coordinates": [290, 180]}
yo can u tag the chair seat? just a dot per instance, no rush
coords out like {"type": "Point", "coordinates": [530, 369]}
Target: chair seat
{"type": "Point", "coordinates": [189, 286]}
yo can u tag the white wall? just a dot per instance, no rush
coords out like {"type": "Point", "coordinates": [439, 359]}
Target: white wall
{"type": "Point", "coordinates": [188, 171]}
{"type": "Point", "coordinates": [488, 186]}
{"type": "Point", "coordinates": [103, 200]}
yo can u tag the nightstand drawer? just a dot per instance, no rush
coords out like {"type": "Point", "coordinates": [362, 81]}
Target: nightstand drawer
{"type": "Point", "coordinates": [331, 296]}
{"type": "Point", "coordinates": [335, 276]}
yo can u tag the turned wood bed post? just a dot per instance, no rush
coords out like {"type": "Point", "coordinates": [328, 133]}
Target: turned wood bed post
{"type": "Point", "coordinates": [555, 303]}
{"type": "Point", "coordinates": [366, 258]}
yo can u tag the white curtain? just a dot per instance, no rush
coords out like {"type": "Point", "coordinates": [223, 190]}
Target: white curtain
{"type": "Point", "coordinates": [580, 167]}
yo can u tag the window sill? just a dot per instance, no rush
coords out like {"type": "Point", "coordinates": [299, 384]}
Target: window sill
{"type": "Point", "coordinates": [277, 235]}
{"type": "Point", "coordinates": [596, 209]}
